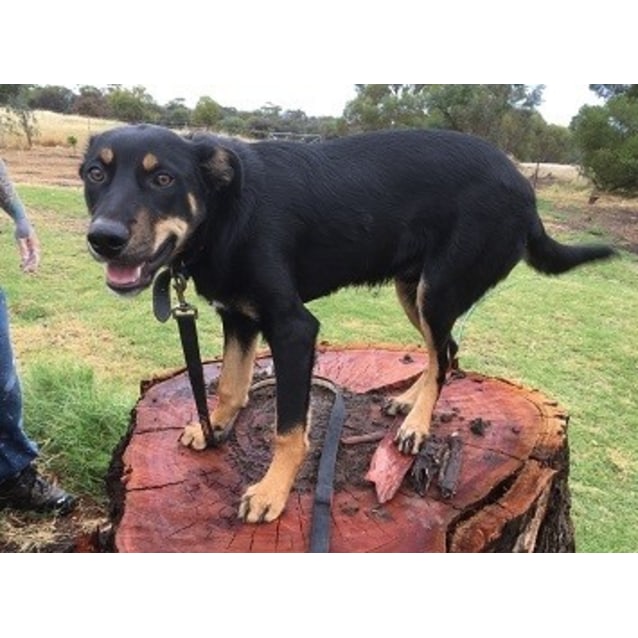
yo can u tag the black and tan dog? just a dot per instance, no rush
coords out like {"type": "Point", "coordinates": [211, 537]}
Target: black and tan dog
{"type": "Point", "coordinates": [263, 228]}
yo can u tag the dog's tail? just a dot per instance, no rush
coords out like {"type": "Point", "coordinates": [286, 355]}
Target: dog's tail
{"type": "Point", "coordinates": [553, 258]}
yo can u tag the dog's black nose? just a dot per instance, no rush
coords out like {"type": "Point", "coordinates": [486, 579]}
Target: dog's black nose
{"type": "Point", "coordinates": [108, 238]}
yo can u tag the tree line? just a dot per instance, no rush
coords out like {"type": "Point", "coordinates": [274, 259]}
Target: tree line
{"type": "Point", "coordinates": [134, 105]}
{"type": "Point", "coordinates": [603, 139]}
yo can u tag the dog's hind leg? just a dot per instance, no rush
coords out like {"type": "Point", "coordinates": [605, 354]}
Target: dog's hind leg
{"type": "Point", "coordinates": [435, 322]}
{"type": "Point", "coordinates": [291, 334]}
{"type": "Point", "coordinates": [407, 294]}
{"type": "Point", "coordinates": [241, 336]}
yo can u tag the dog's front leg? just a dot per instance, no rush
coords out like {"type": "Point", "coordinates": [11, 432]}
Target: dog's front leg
{"type": "Point", "coordinates": [241, 336]}
{"type": "Point", "coordinates": [292, 340]}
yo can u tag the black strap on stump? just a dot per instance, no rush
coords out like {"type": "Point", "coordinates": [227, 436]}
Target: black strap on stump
{"type": "Point", "coordinates": [320, 527]}
{"type": "Point", "coordinates": [186, 316]}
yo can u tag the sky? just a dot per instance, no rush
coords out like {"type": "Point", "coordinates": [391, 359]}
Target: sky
{"type": "Point", "coordinates": [561, 101]}
{"type": "Point", "coordinates": [248, 47]}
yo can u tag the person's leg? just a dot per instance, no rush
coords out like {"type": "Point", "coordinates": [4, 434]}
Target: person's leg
{"type": "Point", "coordinates": [21, 486]}
{"type": "Point", "coordinates": [17, 451]}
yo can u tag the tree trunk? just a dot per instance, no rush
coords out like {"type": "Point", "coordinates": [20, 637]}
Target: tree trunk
{"type": "Point", "coordinates": [502, 482]}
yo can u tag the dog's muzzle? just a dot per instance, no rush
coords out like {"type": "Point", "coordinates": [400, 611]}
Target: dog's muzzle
{"type": "Point", "coordinates": [108, 238]}
{"type": "Point", "coordinates": [126, 273]}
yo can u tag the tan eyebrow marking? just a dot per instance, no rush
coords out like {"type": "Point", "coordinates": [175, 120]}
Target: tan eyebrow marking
{"type": "Point", "coordinates": [106, 155]}
{"type": "Point", "coordinates": [150, 162]}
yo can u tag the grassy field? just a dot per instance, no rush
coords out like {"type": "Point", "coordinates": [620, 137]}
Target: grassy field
{"type": "Point", "coordinates": [83, 352]}
{"type": "Point", "coordinates": [54, 129]}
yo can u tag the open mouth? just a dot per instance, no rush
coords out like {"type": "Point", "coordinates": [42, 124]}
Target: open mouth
{"type": "Point", "coordinates": [126, 279]}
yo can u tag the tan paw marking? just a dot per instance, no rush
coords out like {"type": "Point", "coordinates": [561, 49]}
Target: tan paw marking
{"type": "Point", "coordinates": [261, 504]}
{"type": "Point", "coordinates": [193, 437]}
{"type": "Point", "coordinates": [410, 437]}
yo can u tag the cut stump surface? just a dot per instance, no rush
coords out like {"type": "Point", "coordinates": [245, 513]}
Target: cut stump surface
{"type": "Point", "coordinates": [511, 493]}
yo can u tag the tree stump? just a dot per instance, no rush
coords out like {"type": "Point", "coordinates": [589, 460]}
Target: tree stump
{"type": "Point", "coordinates": [510, 491]}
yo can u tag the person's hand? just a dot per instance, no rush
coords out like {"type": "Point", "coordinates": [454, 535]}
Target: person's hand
{"type": "Point", "coordinates": [29, 253]}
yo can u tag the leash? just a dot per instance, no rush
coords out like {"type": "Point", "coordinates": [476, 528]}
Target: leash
{"type": "Point", "coordinates": [186, 316]}
{"type": "Point", "coordinates": [320, 527]}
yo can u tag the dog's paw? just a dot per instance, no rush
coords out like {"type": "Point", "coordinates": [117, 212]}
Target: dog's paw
{"type": "Point", "coordinates": [410, 438]}
{"type": "Point", "coordinates": [261, 504]}
{"type": "Point", "coordinates": [193, 437]}
{"type": "Point", "coordinates": [395, 406]}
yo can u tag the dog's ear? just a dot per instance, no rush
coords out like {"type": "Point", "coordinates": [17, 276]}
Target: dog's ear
{"type": "Point", "coordinates": [221, 167]}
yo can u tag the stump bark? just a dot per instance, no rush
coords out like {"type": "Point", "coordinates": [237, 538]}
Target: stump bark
{"type": "Point", "coordinates": [510, 464]}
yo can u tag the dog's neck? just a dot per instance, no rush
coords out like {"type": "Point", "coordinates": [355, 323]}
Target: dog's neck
{"type": "Point", "coordinates": [191, 251]}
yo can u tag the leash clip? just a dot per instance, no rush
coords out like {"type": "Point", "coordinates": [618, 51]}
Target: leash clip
{"type": "Point", "coordinates": [186, 316]}
{"type": "Point", "coordinates": [183, 308]}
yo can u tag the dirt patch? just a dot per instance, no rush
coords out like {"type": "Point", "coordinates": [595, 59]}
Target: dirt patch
{"type": "Point", "coordinates": [50, 166]}
{"type": "Point", "coordinates": [618, 222]}
{"type": "Point", "coordinates": [252, 452]}
{"type": "Point", "coordinates": [553, 173]}
{"type": "Point", "coordinates": [611, 217]}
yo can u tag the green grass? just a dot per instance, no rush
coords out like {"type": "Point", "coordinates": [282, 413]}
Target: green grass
{"type": "Point", "coordinates": [76, 421]}
{"type": "Point", "coordinates": [83, 353]}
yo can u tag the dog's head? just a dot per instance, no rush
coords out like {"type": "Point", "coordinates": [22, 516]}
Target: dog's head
{"type": "Point", "coordinates": [148, 190]}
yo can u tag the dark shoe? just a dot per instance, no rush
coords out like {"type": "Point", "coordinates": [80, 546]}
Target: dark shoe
{"type": "Point", "coordinates": [29, 490]}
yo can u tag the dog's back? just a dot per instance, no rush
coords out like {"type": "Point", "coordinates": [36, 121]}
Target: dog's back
{"type": "Point", "coordinates": [371, 207]}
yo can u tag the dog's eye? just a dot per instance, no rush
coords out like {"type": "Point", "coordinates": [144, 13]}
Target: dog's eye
{"type": "Point", "coordinates": [163, 180]}
{"type": "Point", "coordinates": [95, 174]}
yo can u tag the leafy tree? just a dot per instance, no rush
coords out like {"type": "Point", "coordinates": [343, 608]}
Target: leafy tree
{"type": "Point", "coordinates": [555, 144]}
{"type": "Point", "coordinates": [378, 106]}
{"type": "Point", "coordinates": [133, 105]}
{"type": "Point", "coordinates": [548, 143]}
{"type": "Point", "coordinates": [207, 113]}
{"type": "Point", "coordinates": [264, 121]}
{"type": "Point", "coordinates": [176, 114]}
{"type": "Point", "coordinates": [479, 109]}
{"type": "Point", "coordinates": [58, 99]}
{"type": "Point", "coordinates": [91, 102]}
{"type": "Point", "coordinates": [607, 91]}
{"type": "Point", "coordinates": [18, 116]}
{"type": "Point", "coordinates": [233, 125]}
{"type": "Point", "coordinates": [328, 126]}
{"type": "Point", "coordinates": [295, 121]}
{"type": "Point", "coordinates": [485, 110]}
{"type": "Point", "coordinates": [607, 137]}
{"type": "Point", "coordinates": [9, 92]}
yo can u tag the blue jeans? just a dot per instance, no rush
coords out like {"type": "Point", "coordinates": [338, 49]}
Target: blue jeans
{"type": "Point", "coordinates": [16, 449]}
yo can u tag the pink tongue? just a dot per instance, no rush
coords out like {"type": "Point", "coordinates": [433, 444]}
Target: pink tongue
{"type": "Point", "coordinates": [122, 275]}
